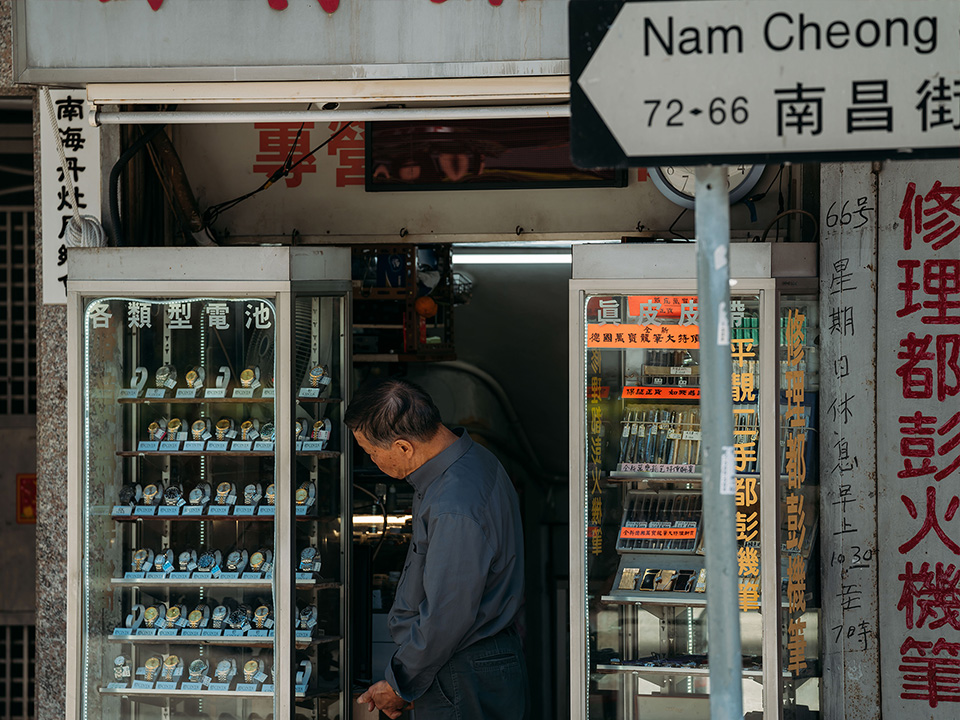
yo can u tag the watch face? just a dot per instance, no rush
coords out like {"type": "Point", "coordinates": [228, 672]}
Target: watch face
{"type": "Point", "coordinates": [171, 495]}
{"type": "Point", "coordinates": [256, 560]}
{"type": "Point", "coordinates": [220, 612]}
{"type": "Point", "coordinates": [678, 183]}
{"type": "Point", "coordinates": [174, 425]}
{"type": "Point", "coordinates": [198, 666]}
{"type": "Point", "coordinates": [301, 496]}
{"type": "Point", "coordinates": [127, 494]}
{"type": "Point", "coordinates": [233, 559]}
{"type": "Point", "coordinates": [196, 495]}
{"type": "Point", "coordinates": [171, 662]}
{"type": "Point", "coordinates": [194, 617]}
{"type": "Point", "coordinates": [173, 613]}
{"type": "Point", "coordinates": [266, 432]}
{"type": "Point", "coordinates": [237, 618]}
{"type": "Point", "coordinates": [205, 562]}
{"type": "Point", "coordinates": [150, 615]}
{"type": "Point", "coordinates": [262, 611]}
{"type": "Point", "coordinates": [152, 663]}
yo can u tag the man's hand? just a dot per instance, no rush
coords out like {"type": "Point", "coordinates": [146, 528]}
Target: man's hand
{"type": "Point", "coordinates": [381, 696]}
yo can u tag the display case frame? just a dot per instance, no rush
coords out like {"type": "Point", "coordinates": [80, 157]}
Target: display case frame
{"type": "Point", "coordinates": [650, 270]}
{"type": "Point", "coordinates": [280, 275]}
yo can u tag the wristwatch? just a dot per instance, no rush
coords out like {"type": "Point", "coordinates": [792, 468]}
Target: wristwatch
{"type": "Point", "coordinates": [150, 493]}
{"type": "Point", "coordinates": [173, 614]}
{"type": "Point", "coordinates": [267, 432]}
{"type": "Point", "coordinates": [271, 494]}
{"type": "Point", "coordinates": [141, 558]}
{"type": "Point", "coordinates": [256, 561]}
{"type": "Point", "coordinates": [150, 667]}
{"type": "Point", "coordinates": [169, 666]}
{"type": "Point", "coordinates": [247, 376]}
{"type": "Point", "coordinates": [173, 427]}
{"type": "Point", "coordinates": [119, 664]}
{"type": "Point", "coordinates": [128, 495]}
{"type": "Point", "coordinates": [223, 671]}
{"type": "Point", "coordinates": [318, 427]}
{"type": "Point", "coordinates": [194, 618]}
{"type": "Point", "coordinates": [317, 374]}
{"type": "Point", "coordinates": [222, 426]}
{"type": "Point", "coordinates": [237, 619]}
{"type": "Point", "coordinates": [198, 669]}
{"type": "Point", "coordinates": [198, 428]}
{"type": "Point", "coordinates": [261, 615]}
{"type": "Point", "coordinates": [165, 373]}
{"type": "Point", "coordinates": [194, 377]}
{"type": "Point", "coordinates": [299, 429]}
{"type": "Point", "coordinates": [172, 495]}
{"type": "Point", "coordinates": [150, 616]}
{"type": "Point", "coordinates": [245, 427]}
{"type": "Point", "coordinates": [219, 615]}
{"type": "Point", "coordinates": [301, 495]}
{"type": "Point", "coordinates": [223, 491]}
{"type": "Point", "coordinates": [307, 559]}
{"type": "Point", "coordinates": [250, 668]}
{"type": "Point", "coordinates": [206, 562]}
{"type": "Point", "coordinates": [155, 432]}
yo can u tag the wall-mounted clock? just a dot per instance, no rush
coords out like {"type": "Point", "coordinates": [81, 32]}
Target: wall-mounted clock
{"type": "Point", "coordinates": [678, 183]}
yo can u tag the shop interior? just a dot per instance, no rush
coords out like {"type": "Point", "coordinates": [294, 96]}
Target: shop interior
{"type": "Point", "coordinates": [464, 290]}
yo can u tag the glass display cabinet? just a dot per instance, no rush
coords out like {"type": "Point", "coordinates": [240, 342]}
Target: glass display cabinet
{"type": "Point", "coordinates": [208, 483]}
{"type": "Point", "coordinates": [639, 587]}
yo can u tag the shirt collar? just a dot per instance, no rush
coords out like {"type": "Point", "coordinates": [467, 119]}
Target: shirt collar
{"type": "Point", "coordinates": [423, 476]}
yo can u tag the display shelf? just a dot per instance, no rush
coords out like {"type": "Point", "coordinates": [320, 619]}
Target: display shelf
{"type": "Point", "coordinates": [255, 517]}
{"type": "Point", "coordinates": [216, 582]}
{"type": "Point", "coordinates": [653, 598]}
{"type": "Point", "coordinates": [321, 454]}
{"type": "Point", "coordinates": [144, 693]}
{"type": "Point", "coordinates": [242, 641]}
{"type": "Point", "coordinates": [653, 670]}
{"type": "Point", "coordinates": [196, 401]}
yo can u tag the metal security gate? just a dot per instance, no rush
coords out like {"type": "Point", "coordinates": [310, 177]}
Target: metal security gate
{"type": "Point", "coordinates": [18, 312]}
{"type": "Point", "coordinates": [17, 672]}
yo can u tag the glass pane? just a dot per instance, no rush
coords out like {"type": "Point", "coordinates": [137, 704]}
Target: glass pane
{"type": "Point", "coordinates": [800, 503]}
{"type": "Point", "coordinates": [644, 550]}
{"type": "Point", "coordinates": [318, 374]}
{"type": "Point", "coordinates": [178, 468]}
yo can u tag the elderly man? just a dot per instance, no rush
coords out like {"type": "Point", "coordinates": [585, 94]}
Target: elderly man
{"type": "Point", "coordinates": [458, 653]}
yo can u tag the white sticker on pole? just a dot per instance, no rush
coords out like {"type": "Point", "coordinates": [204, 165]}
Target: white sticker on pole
{"type": "Point", "coordinates": [723, 326]}
{"type": "Point", "coordinates": [720, 257]}
{"type": "Point", "coordinates": [728, 464]}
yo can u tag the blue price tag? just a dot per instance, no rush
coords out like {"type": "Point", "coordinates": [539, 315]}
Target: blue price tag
{"type": "Point", "coordinates": [263, 446]}
{"type": "Point", "coordinates": [217, 446]}
{"type": "Point", "coordinates": [168, 631]}
{"type": "Point", "coordinates": [179, 575]}
{"type": "Point", "coordinates": [156, 576]}
{"type": "Point", "coordinates": [241, 445]}
{"type": "Point", "coordinates": [258, 633]}
{"type": "Point", "coordinates": [270, 393]}
{"type": "Point", "coordinates": [144, 510]}
{"type": "Point", "coordinates": [123, 632]}
{"type": "Point", "coordinates": [170, 446]}
{"type": "Point", "coordinates": [243, 509]}
{"type": "Point", "coordinates": [231, 632]}
{"type": "Point", "coordinates": [267, 688]}
{"type": "Point", "coordinates": [191, 632]}
{"type": "Point", "coordinates": [142, 685]}
{"type": "Point", "coordinates": [211, 632]}
{"type": "Point", "coordinates": [218, 687]}
{"type": "Point", "coordinates": [229, 576]}
{"type": "Point", "coordinates": [141, 632]}
{"type": "Point", "coordinates": [193, 509]}
{"type": "Point", "coordinates": [246, 687]}
{"type": "Point", "coordinates": [215, 393]}
{"type": "Point", "coordinates": [313, 445]}
{"type": "Point", "coordinates": [202, 576]}
{"type": "Point", "coordinates": [194, 445]}
{"type": "Point", "coordinates": [266, 510]}
{"type": "Point", "coordinates": [133, 576]}
{"type": "Point", "coordinates": [147, 446]}
{"type": "Point", "coordinates": [117, 686]}
{"type": "Point", "coordinates": [120, 510]}
{"type": "Point", "coordinates": [304, 635]}
{"type": "Point", "coordinates": [218, 510]}
{"type": "Point", "coordinates": [166, 686]}
{"type": "Point", "coordinates": [192, 687]}
{"type": "Point", "coordinates": [168, 510]}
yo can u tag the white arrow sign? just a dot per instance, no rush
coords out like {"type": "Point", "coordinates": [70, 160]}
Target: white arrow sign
{"type": "Point", "coordinates": [777, 77]}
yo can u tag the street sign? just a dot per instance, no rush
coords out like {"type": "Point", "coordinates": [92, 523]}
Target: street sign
{"type": "Point", "coordinates": [728, 81]}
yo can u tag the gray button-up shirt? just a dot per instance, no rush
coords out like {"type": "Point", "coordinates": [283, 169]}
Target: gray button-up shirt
{"type": "Point", "coordinates": [463, 577]}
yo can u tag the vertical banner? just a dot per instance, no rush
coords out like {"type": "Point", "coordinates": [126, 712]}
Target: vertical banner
{"type": "Point", "coordinates": [81, 147]}
{"type": "Point", "coordinates": [918, 439]}
{"type": "Point", "coordinates": [848, 501]}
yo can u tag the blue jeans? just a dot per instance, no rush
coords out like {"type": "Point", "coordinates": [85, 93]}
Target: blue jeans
{"type": "Point", "coordinates": [486, 681]}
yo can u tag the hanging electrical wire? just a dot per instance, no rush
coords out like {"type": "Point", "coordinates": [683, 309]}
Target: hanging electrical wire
{"type": "Point", "coordinates": [213, 212]}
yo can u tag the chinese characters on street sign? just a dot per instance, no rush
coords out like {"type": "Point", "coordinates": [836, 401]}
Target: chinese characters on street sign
{"type": "Point", "coordinates": [723, 81]}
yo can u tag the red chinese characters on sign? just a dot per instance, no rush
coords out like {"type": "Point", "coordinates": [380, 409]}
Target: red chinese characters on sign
{"type": "Point", "coordinates": [933, 218]}
{"type": "Point", "coordinates": [931, 671]}
{"type": "Point", "coordinates": [928, 366]}
{"type": "Point", "coordinates": [285, 144]}
{"type": "Point", "coordinates": [349, 149]}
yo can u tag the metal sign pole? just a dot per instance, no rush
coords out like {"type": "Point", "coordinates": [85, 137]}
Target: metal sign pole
{"type": "Point", "coordinates": [719, 477]}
